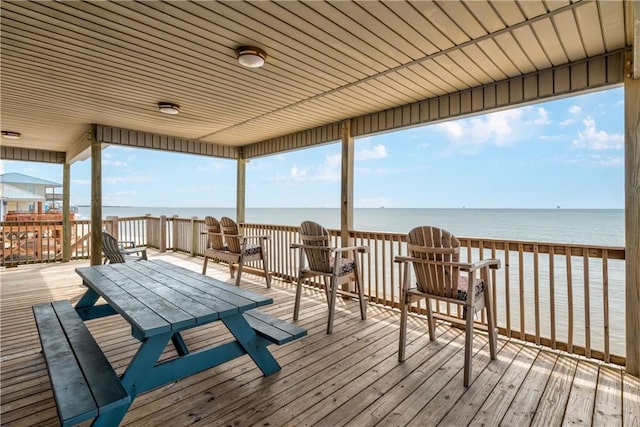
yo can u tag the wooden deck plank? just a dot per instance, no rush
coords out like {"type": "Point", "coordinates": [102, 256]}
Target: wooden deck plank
{"type": "Point", "coordinates": [362, 393]}
{"type": "Point", "coordinates": [553, 403]}
{"type": "Point", "coordinates": [467, 406]}
{"type": "Point", "coordinates": [524, 405]}
{"type": "Point", "coordinates": [449, 395]}
{"type": "Point", "coordinates": [350, 377]}
{"type": "Point", "coordinates": [608, 405]}
{"type": "Point", "coordinates": [582, 396]}
{"type": "Point", "coordinates": [497, 403]}
{"type": "Point", "coordinates": [630, 401]}
{"type": "Point", "coordinates": [434, 379]}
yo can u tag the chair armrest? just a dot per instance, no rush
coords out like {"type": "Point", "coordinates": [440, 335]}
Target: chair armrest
{"type": "Point", "coordinates": [260, 236]}
{"type": "Point", "coordinates": [301, 246]}
{"type": "Point", "coordinates": [126, 244]}
{"type": "Point", "coordinates": [489, 262]}
{"type": "Point", "coordinates": [361, 249]}
{"type": "Point", "coordinates": [464, 266]}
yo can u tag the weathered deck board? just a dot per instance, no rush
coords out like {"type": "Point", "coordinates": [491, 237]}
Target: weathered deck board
{"type": "Point", "coordinates": [351, 377]}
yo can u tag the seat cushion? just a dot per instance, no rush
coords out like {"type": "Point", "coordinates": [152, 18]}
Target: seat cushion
{"type": "Point", "coordinates": [252, 249]}
{"type": "Point", "coordinates": [345, 266]}
{"type": "Point", "coordinates": [463, 287]}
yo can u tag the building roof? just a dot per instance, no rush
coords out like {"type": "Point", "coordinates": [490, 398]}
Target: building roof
{"type": "Point", "coordinates": [11, 193]}
{"type": "Point", "coordinates": [19, 178]}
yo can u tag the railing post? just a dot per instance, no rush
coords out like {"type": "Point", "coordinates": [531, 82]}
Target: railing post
{"type": "Point", "coordinates": [194, 235]}
{"type": "Point", "coordinates": [112, 226]}
{"type": "Point", "coordinates": [175, 236]}
{"type": "Point", "coordinates": [147, 228]}
{"type": "Point", "coordinates": [163, 234]}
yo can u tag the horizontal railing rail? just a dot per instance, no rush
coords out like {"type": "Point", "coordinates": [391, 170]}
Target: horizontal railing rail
{"type": "Point", "coordinates": [568, 297]}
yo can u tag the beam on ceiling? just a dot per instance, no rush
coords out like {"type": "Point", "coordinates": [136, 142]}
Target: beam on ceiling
{"type": "Point", "coordinates": [31, 155]}
{"type": "Point", "coordinates": [139, 139]}
{"type": "Point", "coordinates": [569, 79]}
{"type": "Point", "coordinates": [81, 149]}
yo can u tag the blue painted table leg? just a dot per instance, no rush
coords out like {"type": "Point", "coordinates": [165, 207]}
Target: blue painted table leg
{"type": "Point", "coordinates": [111, 418]}
{"type": "Point", "coordinates": [179, 344]}
{"type": "Point", "coordinates": [141, 366]}
{"type": "Point", "coordinates": [87, 309]}
{"type": "Point", "coordinates": [88, 299]}
{"type": "Point", "coordinates": [252, 344]}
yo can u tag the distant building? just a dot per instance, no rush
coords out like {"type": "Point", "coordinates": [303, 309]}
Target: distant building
{"type": "Point", "coordinates": [23, 193]}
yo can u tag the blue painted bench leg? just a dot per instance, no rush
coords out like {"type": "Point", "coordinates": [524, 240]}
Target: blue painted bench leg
{"type": "Point", "coordinates": [252, 343]}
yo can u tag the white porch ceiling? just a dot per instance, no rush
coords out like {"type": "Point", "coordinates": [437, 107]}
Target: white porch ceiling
{"type": "Point", "coordinates": [68, 64]}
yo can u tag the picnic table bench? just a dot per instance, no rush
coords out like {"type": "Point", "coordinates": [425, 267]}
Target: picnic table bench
{"type": "Point", "coordinates": [83, 382]}
{"type": "Point", "coordinates": [159, 300]}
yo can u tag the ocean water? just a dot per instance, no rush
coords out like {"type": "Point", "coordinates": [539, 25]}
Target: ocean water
{"type": "Point", "coordinates": [583, 226]}
{"type": "Point", "coordinates": [597, 227]}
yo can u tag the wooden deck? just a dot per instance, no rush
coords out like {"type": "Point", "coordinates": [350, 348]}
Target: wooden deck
{"type": "Point", "coordinates": [351, 377]}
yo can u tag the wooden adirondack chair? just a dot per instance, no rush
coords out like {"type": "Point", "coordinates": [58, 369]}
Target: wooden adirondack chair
{"type": "Point", "coordinates": [225, 243]}
{"type": "Point", "coordinates": [117, 252]}
{"type": "Point", "coordinates": [435, 256]}
{"type": "Point", "coordinates": [327, 262]}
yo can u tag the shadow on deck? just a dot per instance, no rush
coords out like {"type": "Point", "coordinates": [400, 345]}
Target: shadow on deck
{"type": "Point", "coordinates": [351, 377]}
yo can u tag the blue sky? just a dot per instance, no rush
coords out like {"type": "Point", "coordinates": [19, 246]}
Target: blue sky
{"type": "Point", "coordinates": [568, 153]}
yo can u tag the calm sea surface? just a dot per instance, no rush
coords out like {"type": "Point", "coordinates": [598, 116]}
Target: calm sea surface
{"type": "Point", "coordinates": [585, 226]}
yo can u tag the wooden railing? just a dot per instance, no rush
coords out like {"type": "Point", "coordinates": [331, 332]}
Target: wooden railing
{"type": "Point", "coordinates": [565, 296]}
{"type": "Point", "coordinates": [553, 294]}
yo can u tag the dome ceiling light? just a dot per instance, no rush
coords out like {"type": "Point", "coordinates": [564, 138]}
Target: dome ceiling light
{"type": "Point", "coordinates": [10, 135]}
{"type": "Point", "coordinates": [168, 108]}
{"type": "Point", "coordinates": [250, 56]}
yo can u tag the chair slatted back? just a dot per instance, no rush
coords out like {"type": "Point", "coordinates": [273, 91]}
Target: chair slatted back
{"type": "Point", "coordinates": [215, 240]}
{"type": "Point", "coordinates": [313, 234]}
{"type": "Point", "coordinates": [438, 245]}
{"type": "Point", "coordinates": [230, 230]}
{"type": "Point", "coordinates": [111, 249]}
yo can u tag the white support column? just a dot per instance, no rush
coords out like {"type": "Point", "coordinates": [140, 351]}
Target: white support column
{"type": "Point", "coordinates": [346, 190]}
{"type": "Point", "coordinates": [96, 200]}
{"type": "Point", "coordinates": [632, 215]}
{"type": "Point", "coordinates": [241, 187]}
{"type": "Point", "coordinates": [66, 211]}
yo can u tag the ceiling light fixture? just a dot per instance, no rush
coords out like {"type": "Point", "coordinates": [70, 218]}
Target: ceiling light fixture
{"type": "Point", "coordinates": [10, 135]}
{"type": "Point", "coordinates": [251, 57]}
{"type": "Point", "coordinates": [168, 108]}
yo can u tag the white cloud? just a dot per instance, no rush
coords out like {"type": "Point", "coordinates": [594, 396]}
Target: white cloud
{"type": "Point", "coordinates": [575, 110]}
{"type": "Point", "coordinates": [327, 171]}
{"type": "Point", "coordinates": [496, 128]}
{"type": "Point", "coordinates": [333, 161]}
{"type": "Point", "coordinates": [297, 173]}
{"type": "Point", "coordinates": [127, 179]}
{"type": "Point", "coordinates": [378, 151]}
{"type": "Point", "coordinates": [114, 163]}
{"type": "Point", "coordinates": [593, 139]}
{"type": "Point", "coordinates": [119, 197]}
{"type": "Point", "coordinates": [542, 117]}
{"type": "Point", "coordinates": [567, 122]}
{"type": "Point", "coordinates": [212, 167]}
{"type": "Point", "coordinates": [454, 129]}
{"type": "Point", "coordinates": [611, 161]}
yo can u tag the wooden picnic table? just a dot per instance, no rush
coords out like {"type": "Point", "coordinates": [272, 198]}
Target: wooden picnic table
{"type": "Point", "coordinates": [160, 300]}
